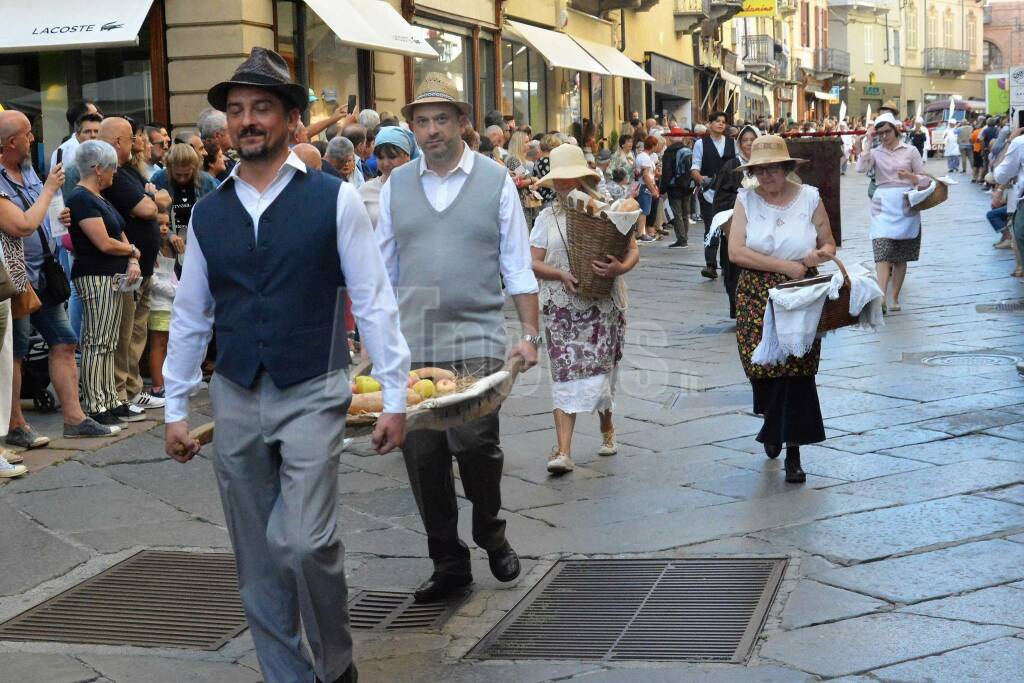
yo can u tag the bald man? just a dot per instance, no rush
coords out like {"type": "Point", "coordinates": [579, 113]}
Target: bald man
{"type": "Point", "coordinates": [18, 180]}
{"type": "Point", "coordinates": [139, 203]}
{"type": "Point", "coordinates": [309, 155]}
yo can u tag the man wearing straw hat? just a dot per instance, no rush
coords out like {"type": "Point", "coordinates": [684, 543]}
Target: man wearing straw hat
{"type": "Point", "coordinates": [270, 251]}
{"type": "Point", "coordinates": [451, 229]}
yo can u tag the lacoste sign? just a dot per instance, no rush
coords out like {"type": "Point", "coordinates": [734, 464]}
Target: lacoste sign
{"type": "Point", "coordinates": [76, 28]}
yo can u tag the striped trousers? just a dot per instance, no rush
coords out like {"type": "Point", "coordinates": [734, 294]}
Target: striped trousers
{"type": "Point", "coordinates": [101, 318]}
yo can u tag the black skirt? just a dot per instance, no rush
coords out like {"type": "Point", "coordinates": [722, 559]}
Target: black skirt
{"type": "Point", "coordinates": [792, 414]}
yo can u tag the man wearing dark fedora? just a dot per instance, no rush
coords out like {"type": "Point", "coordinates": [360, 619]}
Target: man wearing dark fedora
{"type": "Point", "coordinates": [451, 228]}
{"type": "Point", "coordinates": [270, 251]}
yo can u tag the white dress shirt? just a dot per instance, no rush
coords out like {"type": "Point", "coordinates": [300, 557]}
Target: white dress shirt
{"type": "Point", "coordinates": [68, 157]}
{"type": "Point", "coordinates": [698, 159]}
{"type": "Point", "coordinates": [373, 300]}
{"type": "Point", "coordinates": [516, 264]}
{"type": "Point", "coordinates": [1011, 171]}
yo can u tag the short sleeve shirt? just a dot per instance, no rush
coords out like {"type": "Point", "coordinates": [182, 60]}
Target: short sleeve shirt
{"type": "Point", "coordinates": [89, 260]}
{"type": "Point", "coordinates": [124, 194]}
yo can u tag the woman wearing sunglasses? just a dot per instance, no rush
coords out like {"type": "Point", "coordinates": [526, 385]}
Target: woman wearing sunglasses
{"type": "Point", "coordinates": [779, 232]}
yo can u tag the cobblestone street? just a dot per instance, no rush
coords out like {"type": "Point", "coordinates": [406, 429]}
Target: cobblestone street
{"type": "Point", "coordinates": [905, 546]}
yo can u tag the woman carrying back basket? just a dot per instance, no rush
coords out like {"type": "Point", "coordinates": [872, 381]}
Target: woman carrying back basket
{"type": "Point", "coordinates": [584, 335]}
{"type": "Point", "coordinates": [779, 232]}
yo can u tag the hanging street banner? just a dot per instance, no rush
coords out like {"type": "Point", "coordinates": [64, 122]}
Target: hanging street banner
{"type": "Point", "coordinates": [759, 8]}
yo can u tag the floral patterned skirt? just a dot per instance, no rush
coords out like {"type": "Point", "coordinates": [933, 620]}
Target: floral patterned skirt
{"type": "Point", "coordinates": [582, 342]}
{"type": "Point", "coordinates": [751, 300]}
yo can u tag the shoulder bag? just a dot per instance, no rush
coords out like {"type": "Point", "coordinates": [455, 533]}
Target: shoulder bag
{"type": "Point", "coordinates": [54, 287]}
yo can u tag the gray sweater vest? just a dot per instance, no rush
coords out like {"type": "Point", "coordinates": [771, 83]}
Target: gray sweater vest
{"type": "Point", "coordinates": [449, 285]}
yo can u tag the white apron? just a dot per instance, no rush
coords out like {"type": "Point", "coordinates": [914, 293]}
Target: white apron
{"type": "Point", "coordinates": [890, 217]}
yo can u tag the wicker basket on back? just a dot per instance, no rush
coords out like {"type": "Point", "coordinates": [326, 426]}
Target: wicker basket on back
{"type": "Point", "coordinates": [592, 237]}
{"type": "Point", "coordinates": [836, 312]}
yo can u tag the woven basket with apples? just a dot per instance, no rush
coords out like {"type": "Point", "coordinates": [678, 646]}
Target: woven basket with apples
{"type": "Point", "coordinates": [436, 399]}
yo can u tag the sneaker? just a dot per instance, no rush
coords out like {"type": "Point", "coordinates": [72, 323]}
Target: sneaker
{"type": "Point", "coordinates": [89, 429]}
{"type": "Point", "coordinates": [645, 239]}
{"type": "Point", "coordinates": [26, 437]}
{"type": "Point", "coordinates": [9, 471]}
{"type": "Point", "coordinates": [11, 456]}
{"type": "Point", "coordinates": [107, 418]}
{"type": "Point", "coordinates": [709, 273]}
{"type": "Point", "coordinates": [608, 445]}
{"type": "Point", "coordinates": [127, 412]}
{"type": "Point", "coordinates": [158, 393]}
{"type": "Point", "coordinates": [147, 401]}
{"type": "Point", "coordinates": [559, 463]}
{"type": "Point", "coordinates": [679, 245]}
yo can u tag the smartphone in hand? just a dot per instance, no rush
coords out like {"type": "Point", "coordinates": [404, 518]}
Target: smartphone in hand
{"type": "Point", "coordinates": [351, 104]}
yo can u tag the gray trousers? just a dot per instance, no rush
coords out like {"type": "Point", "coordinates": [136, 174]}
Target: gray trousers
{"type": "Point", "coordinates": [277, 468]}
{"type": "Point", "coordinates": [680, 205]}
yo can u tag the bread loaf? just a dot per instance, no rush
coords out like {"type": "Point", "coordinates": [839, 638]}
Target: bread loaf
{"type": "Point", "coordinates": [435, 374]}
{"type": "Point", "coordinates": [627, 205]}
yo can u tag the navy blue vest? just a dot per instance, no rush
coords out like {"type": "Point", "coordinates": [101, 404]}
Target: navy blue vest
{"type": "Point", "coordinates": [275, 295]}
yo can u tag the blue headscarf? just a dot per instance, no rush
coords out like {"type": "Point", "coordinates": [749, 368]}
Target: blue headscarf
{"type": "Point", "coordinates": [399, 137]}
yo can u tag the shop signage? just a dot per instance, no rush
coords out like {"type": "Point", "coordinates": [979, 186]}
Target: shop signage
{"type": "Point", "coordinates": [873, 91]}
{"type": "Point", "coordinates": [78, 28]}
{"type": "Point", "coordinates": [758, 8]}
{"type": "Point", "coordinates": [1017, 94]}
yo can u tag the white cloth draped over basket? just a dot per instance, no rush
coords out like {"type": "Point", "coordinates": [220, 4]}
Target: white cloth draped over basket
{"type": "Point", "coordinates": [792, 315]}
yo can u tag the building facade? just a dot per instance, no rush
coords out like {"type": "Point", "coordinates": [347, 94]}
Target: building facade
{"type": "Point", "coordinates": [870, 30]}
{"type": "Point", "coordinates": [942, 54]}
{"type": "Point", "coordinates": [1003, 21]}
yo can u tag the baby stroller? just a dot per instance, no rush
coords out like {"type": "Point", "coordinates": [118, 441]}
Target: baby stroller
{"type": "Point", "coordinates": [35, 375]}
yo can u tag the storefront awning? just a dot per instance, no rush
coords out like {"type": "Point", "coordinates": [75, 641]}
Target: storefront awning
{"type": "Point", "coordinates": [614, 61]}
{"type": "Point", "coordinates": [731, 79]}
{"type": "Point", "coordinates": [821, 95]}
{"type": "Point", "coordinates": [29, 26]}
{"type": "Point", "coordinates": [558, 49]}
{"type": "Point", "coordinates": [372, 25]}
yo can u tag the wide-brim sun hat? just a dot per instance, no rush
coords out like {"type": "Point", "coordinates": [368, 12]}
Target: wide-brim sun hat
{"type": "Point", "coordinates": [568, 163]}
{"type": "Point", "coordinates": [769, 149]}
{"type": "Point", "coordinates": [436, 88]}
{"type": "Point", "coordinates": [264, 69]}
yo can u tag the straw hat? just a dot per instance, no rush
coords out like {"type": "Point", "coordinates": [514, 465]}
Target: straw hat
{"type": "Point", "coordinates": [436, 88]}
{"type": "Point", "coordinates": [890, 105]}
{"type": "Point", "coordinates": [262, 69]}
{"type": "Point", "coordinates": [769, 149]}
{"type": "Point", "coordinates": [568, 163]}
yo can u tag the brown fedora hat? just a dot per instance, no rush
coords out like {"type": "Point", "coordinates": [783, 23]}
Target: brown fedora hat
{"type": "Point", "coordinates": [265, 69]}
{"type": "Point", "coordinates": [436, 88]}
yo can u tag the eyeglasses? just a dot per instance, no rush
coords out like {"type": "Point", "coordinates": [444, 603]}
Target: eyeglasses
{"type": "Point", "coordinates": [767, 169]}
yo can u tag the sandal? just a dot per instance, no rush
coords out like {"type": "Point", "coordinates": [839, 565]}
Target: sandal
{"type": "Point", "coordinates": [1017, 273]}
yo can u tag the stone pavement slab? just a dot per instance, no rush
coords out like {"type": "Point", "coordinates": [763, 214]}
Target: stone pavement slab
{"type": "Point", "coordinates": [27, 667]}
{"type": "Point", "coordinates": [996, 661]}
{"type": "Point", "coordinates": [695, 673]}
{"type": "Point", "coordinates": [426, 667]}
{"type": "Point", "coordinates": [938, 482]}
{"type": "Point", "coordinates": [815, 603]}
{"type": "Point", "coordinates": [864, 643]}
{"type": "Point", "coordinates": [934, 574]}
{"type": "Point", "coordinates": [190, 486]}
{"type": "Point", "coordinates": [893, 530]}
{"type": "Point", "coordinates": [168, 670]}
{"type": "Point", "coordinates": [968, 423]}
{"type": "Point", "coordinates": [1011, 494]}
{"type": "Point", "coordinates": [881, 439]}
{"type": "Point", "coordinates": [599, 512]}
{"type": "Point", "coordinates": [1013, 431]}
{"type": "Point", "coordinates": [763, 484]}
{"type": "Point", "coordinates": [696, 432]}
{"type": "Point", "coordinates": [31, 554]}
{"type": "Point", "coordinates": [1000, 605]}
{"type": "Point", "coordinates": [95, 507]}
{"type": "Point", "coordinates": [187, 534]}
{"type": "Point", "coordinates": [60, 476]}
{"type": "Point", "coordinates": [971, 447]}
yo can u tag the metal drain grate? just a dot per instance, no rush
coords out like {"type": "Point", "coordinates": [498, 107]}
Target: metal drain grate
{"type": "Point", "coordinates": [1001, 307]}
{"type": "Point", "coordinates": [982, 359]}
{"type": "Point", "coordinates": [152, 599]}
{"type": "Point", "coordinates": [386, 611]}
{"type": "Point", "coordinates": [703, 609]}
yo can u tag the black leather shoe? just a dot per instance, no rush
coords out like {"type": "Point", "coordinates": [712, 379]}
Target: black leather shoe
{"type": "Point", "coordinates": [351, 675]}
{"type": "Point", "coordinates": [440, 586]}
{"type": "Point", "coordinates": [772, 450]}
{"type": "Point", "coordinates": [504, 563]}
{"type": "Point", "coordinates": [709, 272]}
{"type": "Point", "coordinates": [794, 473]}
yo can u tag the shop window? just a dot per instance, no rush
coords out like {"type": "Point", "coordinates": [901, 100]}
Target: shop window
{"type": "Point", "coordinates": [488, 102]}
{"type": "Point", "coordinates": [524, 85]}
{"type": "Point", "coordinates": [456, 58]}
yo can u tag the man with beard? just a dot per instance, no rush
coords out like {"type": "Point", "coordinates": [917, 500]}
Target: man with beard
{"type": "Point", "coordinates": [451, 308]}
{"type": "Point", "coordinates": [279, 399]}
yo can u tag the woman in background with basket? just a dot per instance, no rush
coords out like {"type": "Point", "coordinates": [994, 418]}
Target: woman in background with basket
{"type": "Point", "coordinates": [895, 228]}
{"type": "Point", "coordinates": [584, 335]}
{"type": "Point", "coordinates": [780, 232]}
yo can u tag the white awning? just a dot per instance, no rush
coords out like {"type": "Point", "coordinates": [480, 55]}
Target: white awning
{"type": "Point", "coordinates": [558, 49]}
{"type": "Point", "coordinates": [31, 26]}
{"type": "Point", "coordinates": [731, 79]}
{"type": "Point", "coordinates": [372, 25]}
{"type": "Point", "coordinates": [613, 60]}
{"type": "Point", "coordinates": [822, 95]}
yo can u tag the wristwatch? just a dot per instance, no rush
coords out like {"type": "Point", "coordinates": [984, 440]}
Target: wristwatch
{"type": "Point", "coordinates": [532, 338]}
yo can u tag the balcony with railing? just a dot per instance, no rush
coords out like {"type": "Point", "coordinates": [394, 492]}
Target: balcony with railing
{"type": "Point", "coordinates": [758, 53]}
{"type": "Point", "coordinates": [689, 14]}
{"type": "Point", "coordinates": [788, 7]}
{"type": "Point", "coordinates": [944, 60]}
{"type": "Point", "coordinates": [873, 6]}
{"type": "Point", "coordinates": [724, 10]}
{"type": "Point", "coordinates": [598, 8]}
{"type": "Point", "coordinates": [830, 62]}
